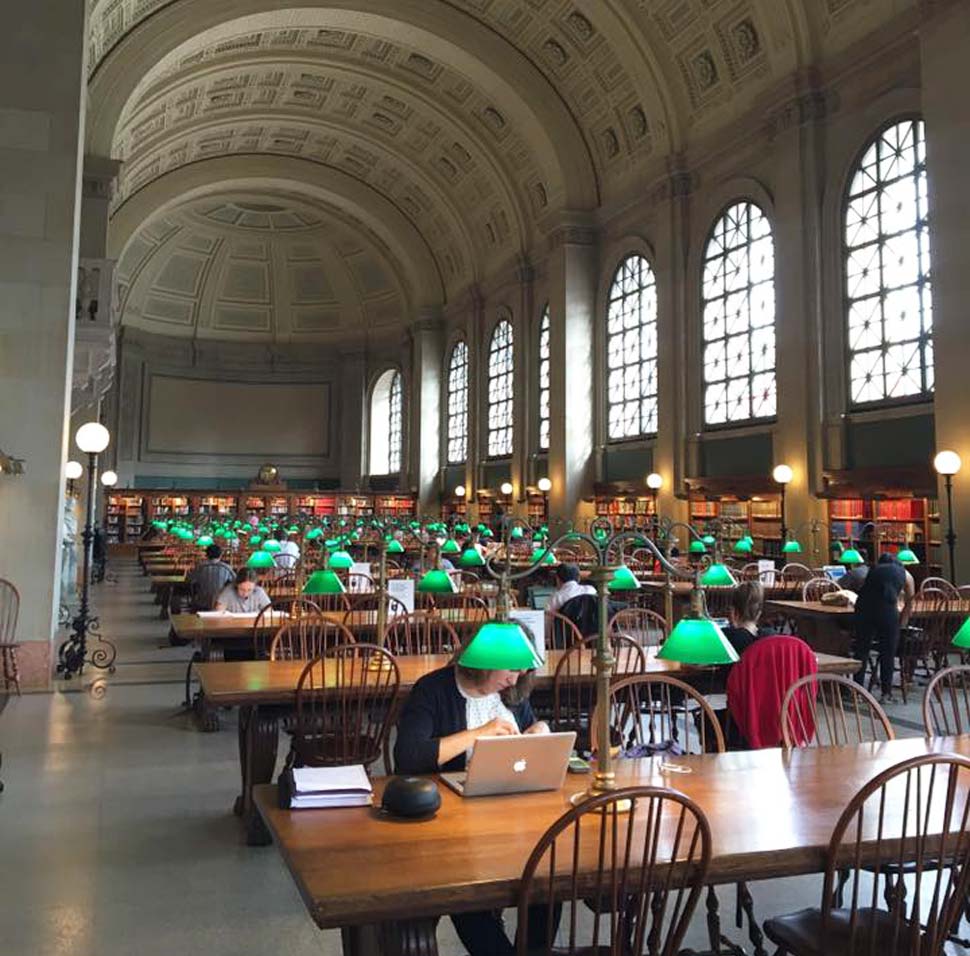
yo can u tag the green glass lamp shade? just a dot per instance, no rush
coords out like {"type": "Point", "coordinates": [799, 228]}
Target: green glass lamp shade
{"type": "Point", "coordinates": [255, 540]}
{"type": "Point", "coordinates": [479, 526]}
{"type": "Point", "coordinates": [461, 527]}
{"type": "Point", "coordinates": [395, 547]}
{"type": "Point", "coordinates": [414, 525]}
{"type": "Point", "coordinates": [962, 637]}
{"type": "Point", "coordinates": [792, 547]}
{"type": "Point", "coordinates": [600, 534]}
{"type": "Point", "coordinates": [436, 581]}
{"type": "Point", "coordinates": [623, 580]}
{"type": "Point", "coordinates": [697, 547]}
{"type": "Point", "coordinates": [743, 546]}
{"type": "Point", "coordinates": [204, 540]}
{"type": "Point", "coordinates": [323, 582]}
{"type": "Point", "coordinates": [697, 641]}
{"type": "Point", "coordinates": [340, 561]}
{"type": "Point", "coordinates": [907, 556]}
{"type": "Point", "coordinates": [851, 556]}
{"type": "Point", "coordinates": [538, 536]}
{"type": "Point", "coordinates": [487, 533]}
{"type": "Point", "coordinates": [331, 544]}
{"type": "Point", "coordinates": [709, 540]}
{"type": "Point", "coordinates": [263, 529]}
{"type": "Point", "coordinates": [261, 559]}
{"type": "Point", "coordinates": [451, 546]}
{"type": "Point", "coordinates": [158, 525]}
{"type": "Point", "coordinates": [516, 533]}
{"type": "Point", "coordinates": [549, 558]}
{"type": "Point", "coordinates": [499, 646]}
{"type": "Point", "coordinates": [470, 558]}
{"type": "Point", "coordinates": [274, 547]}
{"type": "Point", "coordinates": [313, 534]}
{"type": "Point", "coordinates": [293, 529]}
{"type": "Point", "coordinates": [718, 576]}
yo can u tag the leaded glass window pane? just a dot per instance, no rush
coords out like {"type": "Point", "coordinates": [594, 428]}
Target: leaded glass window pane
{"type": "Point", "coordinates": [458, 404]}
{"type": "Point", "coordinates": [500, 390]}
{"type": "Point", "coordinates": [887, 270]}
{"type": "Point", "coordinates": [544, 333]}
{"type": "Point", "coordinates": [631, 351]}
{"type": "Point", "coordinates": [739, 318]}
{"type": "Point", "coordinates": [395, 407]}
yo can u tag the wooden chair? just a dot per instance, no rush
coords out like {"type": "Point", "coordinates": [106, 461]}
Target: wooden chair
{"type": "Point", "coordinates": [929, 838]}
{"type": "Point", "coordinates": [274, 616]}
{"type": "Point", "coordinates": [939, 584]}
{"type": "Point", "coordinates": [946, 703]}
{"type": "Point", "coordinates": [657, 712]}
{"type": "Point", "coordinates": [563, 633]}
{"type": "Point", "coordinates": [344, 707]}
{"type": "Point", "coordinates": [963, 591]}
{"type": "Point", "coordinates": [332, 603]}
{"type": "Point", "coordinates": [9, 612]}
{"type": "Point", "coordinates": [464, 579]}
{"type": "Point", "coordinates": [308, 637]}
{"type": "Point", "coordinates": [647, 628]}
{"type": "Point", "coordinates": [360, 583]}
{"type": "Point", "coordinates": [279, 583]}
{"type": "Point", "coordinates": [749, 572]}
{"type": "Point", "coordinates": [718, 600]}
{"type": "Point", "coordinates": [629, 897]}
{"type": "Point", "coordinates": [420, 633]}
{"type": "Point", "coordinates": [796, 572]}
{"type": "Point", "coordinates": [814, 588]}
{"type": "Point", "coordinates": [828, 710]}
{"type": "Point", "coordinates": [573, 692]}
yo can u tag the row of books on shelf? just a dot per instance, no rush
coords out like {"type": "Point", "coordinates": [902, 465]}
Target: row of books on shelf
{"type": "Point", "coordinates": [865, 509]}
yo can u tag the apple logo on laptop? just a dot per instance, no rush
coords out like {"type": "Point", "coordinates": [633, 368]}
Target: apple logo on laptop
{"type": "Point", "coordinates": [519, 765]}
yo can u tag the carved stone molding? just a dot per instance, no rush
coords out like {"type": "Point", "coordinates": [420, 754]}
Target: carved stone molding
{"type": "Point", "coordinates": [810, 107]}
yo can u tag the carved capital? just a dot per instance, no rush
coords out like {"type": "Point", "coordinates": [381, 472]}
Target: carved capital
{"type": "Point", "coordinates": [810, 107]}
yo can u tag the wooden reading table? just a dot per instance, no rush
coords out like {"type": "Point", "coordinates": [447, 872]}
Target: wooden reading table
{"type": "Point", "coordinates": [771, 814]}
{"type": "Point", "coordinates": [265, 690]}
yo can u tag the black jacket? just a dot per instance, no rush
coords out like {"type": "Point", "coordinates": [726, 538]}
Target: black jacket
{"type": "Point", "coordinates": [436, 709]}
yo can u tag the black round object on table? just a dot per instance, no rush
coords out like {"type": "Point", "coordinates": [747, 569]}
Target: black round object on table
{"type": "Point", "coordinates": [411, 797]}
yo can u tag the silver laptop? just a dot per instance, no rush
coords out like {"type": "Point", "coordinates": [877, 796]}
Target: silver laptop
{"type": "Point", "coordinates": [515, 764]}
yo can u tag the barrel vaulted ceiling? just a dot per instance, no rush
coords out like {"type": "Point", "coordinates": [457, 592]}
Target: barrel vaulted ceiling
{"type": "Point", "coordinates": [478, 122]}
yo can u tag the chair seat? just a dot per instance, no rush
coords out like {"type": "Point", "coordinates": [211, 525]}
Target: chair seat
{"type": "Point", "coordinates": [801, 933]}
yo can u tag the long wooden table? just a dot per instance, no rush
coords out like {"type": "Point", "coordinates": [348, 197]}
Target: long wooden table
{"type": "Point", "coordinates": [265, 690]}
{"type": "Point", "coordinates": [771, 814]}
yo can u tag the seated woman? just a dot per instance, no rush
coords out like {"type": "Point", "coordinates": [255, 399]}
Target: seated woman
{"type": "Point", "coordinates": [447, 711]}
{"type": "Point", "coordinates": [244, 595]}
{"type": "Point", "coordinates": [746, 603]}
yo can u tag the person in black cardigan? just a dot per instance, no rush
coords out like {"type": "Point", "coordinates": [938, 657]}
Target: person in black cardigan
{"type": "Point", "coordinates": [433, 736]}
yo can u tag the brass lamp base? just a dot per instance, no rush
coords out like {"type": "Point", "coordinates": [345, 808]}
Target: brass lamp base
{"type": "Point", "coordinates": [601, 784]}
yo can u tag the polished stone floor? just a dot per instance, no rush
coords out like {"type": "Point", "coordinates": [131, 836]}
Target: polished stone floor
{"type": "Point", "coordinates": [116, 831]}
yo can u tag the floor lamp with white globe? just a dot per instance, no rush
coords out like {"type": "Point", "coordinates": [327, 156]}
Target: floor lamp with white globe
{"type": "Point", "coordinates": [947, 463]}
{"type": "Point", "coordinates": [92, 439]}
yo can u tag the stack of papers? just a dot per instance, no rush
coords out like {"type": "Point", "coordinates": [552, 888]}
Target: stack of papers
{"type": "Point", "coordinates": [252, 615]}
{"type": "Point", "coordinates": [331, 787]}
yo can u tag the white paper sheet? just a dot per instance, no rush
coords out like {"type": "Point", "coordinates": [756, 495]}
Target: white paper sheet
{"type": "Point", "coordinates": [403, 590]}
{"type": "Point", "coordinates": [534, 623]}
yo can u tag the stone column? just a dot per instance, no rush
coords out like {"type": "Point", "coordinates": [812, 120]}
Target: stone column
{"type": "Point", "coordinates": [350, 435]}
{"type": "Point", "coordinates": [798, 438]}
{"type": "Point", "coordinates": [477, 406]}
{"type": "Point", "coordinates": [525, 362]}
{"type": "Point", "coordinates": [945, 40]}
{"type": "Point", "coordinates": [572, 306]}
{"type": "Point", "coordinates": [42, 68]}
{"type": "Point", "coordinates": [426, 408]}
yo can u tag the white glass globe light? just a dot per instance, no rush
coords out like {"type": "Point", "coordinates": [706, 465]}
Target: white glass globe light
{"type": "Point", "coordinates": [947, 463]}
{"type": "Point", "coordinates": [109, 479]}
{"type": "Point", "coordinates": [506, 488]}
{"type": "Point", "coordinates": [782, 474]}
{"type": "Point", "coordinates": [459, 491]}
{"type": "Point", "coordinates": [654, 481]}
{"type": "Point", "coordinates": [544, 485]}
{"type": "Point", "coordinates": [72, 470]}
{"type": "Point", "coordinates": [92, 438]}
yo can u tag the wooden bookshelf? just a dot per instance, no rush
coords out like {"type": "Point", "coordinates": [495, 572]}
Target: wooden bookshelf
{"type": "Point", "coordinates": [124, 517]}
{"type": "Point", "coordinates": [881, 525]}
{"type": "Point", "coordinates": [624, 505]}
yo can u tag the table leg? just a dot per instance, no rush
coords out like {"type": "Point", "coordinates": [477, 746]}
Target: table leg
{"type": "Point", "coordinates": [258, 742]}
{"type": "Point", "coordinates": [409, 937]}
{"type": "Point", "coordinates": [164, 594]}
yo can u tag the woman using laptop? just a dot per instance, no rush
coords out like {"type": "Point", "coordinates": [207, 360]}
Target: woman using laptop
{"type": "Point", "coordinates": [448, 710]}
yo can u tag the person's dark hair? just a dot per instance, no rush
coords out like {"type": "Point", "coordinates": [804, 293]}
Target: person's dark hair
{"type": "Point", "coordinates": [511, 696]}
{"type": "Point", "coordinates": [567, 572]}
{"type": "Point", "coordinates": [887, 558]}
{"type": "Point", "coordinates": [747, 600]}
{"type": "Point", "coordinates": [246, 574]}
{"type": "Point", "coordinates": [280, 535]}
{"type": "Point", "coordinates": [213, 552]}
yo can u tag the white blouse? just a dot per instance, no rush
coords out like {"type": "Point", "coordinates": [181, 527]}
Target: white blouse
{"type": "Point", "coordinates": [480, 710]}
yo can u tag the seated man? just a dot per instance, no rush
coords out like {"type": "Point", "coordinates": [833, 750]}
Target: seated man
{"type": "Point", "coordinates": [568, 588]}
{"type": "Point", "coordinates": [245, 596]}
{"type": "Point", "coordinates": [289, 552]}
{"type": "Point", "coordinates": [207, 579]}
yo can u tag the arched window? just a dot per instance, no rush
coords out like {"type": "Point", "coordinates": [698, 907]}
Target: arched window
{"type": "Point", "coordinates": [544, 332]}
{"type": "Point", "coordinates": [386, 414]}
{"type": "Point", "coordinates": [500, 390]}
{"type": "Point", "coordinates": [887, 269]}
{"type": "Point", "coordinates": [739, 318]}
{"type": "Point", "coordinates": [458, 404]}
{"type": "Point", "coordinates": [631, 351]}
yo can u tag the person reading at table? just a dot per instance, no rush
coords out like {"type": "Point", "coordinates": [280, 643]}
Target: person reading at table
{"type": "Point", "coordinates": [244, 595]}
{"type": "Point", "coordinates": [208, 578]}
{"type": "Point", "coordinates": [447, 711]}
{"type": "Point", "coordinates": [289, 552]}
{"type": "Point", "coordinates": [747, 600]}
{"type": "Point", "coordinates": [878, 618]}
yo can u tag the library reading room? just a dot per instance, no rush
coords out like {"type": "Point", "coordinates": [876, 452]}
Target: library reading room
{"type": "Point", "coordinates": [485, 478]}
